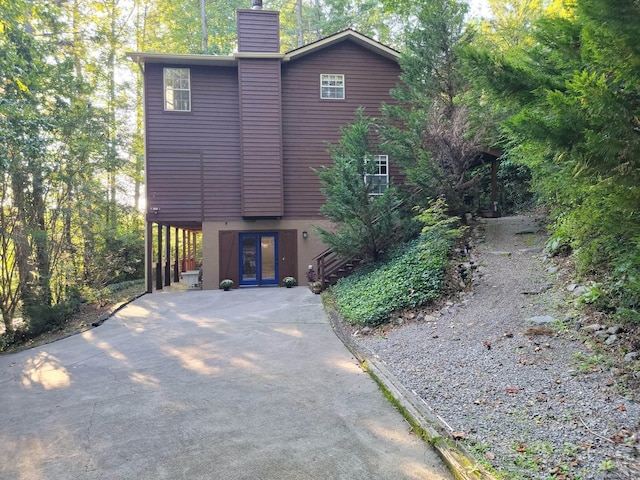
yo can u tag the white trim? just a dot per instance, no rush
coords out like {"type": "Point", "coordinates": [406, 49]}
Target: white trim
{"type": "Point", "coordinates": [170, 105]}
{"type": "Point", "coordinates": [230, 60]}
{"type": "Point", "coordinates": [362, 40]}
{"type": "Point", "coordinates": [340, 85]}
{"type": "Point", "coordinates": [381, 161]}
{"type": "Point", "coordinates": [178, 59]}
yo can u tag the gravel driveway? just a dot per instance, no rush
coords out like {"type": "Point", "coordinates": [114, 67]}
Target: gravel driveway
{"type": "Point", "coordinates": [530, 397]}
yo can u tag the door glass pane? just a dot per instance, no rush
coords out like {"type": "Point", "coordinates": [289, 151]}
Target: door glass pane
{"type": "Point", "coordinates": [249, 258]}
{"type": "Point", "coordinates": [268, 254]}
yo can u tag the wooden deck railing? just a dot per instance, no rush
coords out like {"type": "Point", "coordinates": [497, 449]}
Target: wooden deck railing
{"type": "Point", "coordinates": [332, 267]}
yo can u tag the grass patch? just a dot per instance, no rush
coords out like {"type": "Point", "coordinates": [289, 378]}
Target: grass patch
{"type": "Point", "coordinates": [411, 276]}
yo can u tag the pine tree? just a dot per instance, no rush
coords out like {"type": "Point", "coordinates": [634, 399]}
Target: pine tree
{"type": "Point", "coordinates": [430, 132]}
{"type": "Point", "coordinates": [365, 224]}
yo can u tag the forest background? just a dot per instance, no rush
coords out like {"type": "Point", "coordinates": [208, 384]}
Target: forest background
{"type": "Point", "coordinates": [553, 84]}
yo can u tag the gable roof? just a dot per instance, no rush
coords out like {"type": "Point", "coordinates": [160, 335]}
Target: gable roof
{"type": "Point", "coordinates": [349, 34]}
{"type": "Point", "coordinates": [231, 60]}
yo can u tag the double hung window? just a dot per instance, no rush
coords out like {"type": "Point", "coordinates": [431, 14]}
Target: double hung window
{"type": "Point", "coordinates": [332, 86]}
{"type": "Point", "coordinates": [177, 89]}
{"type": "Point", "coordinates": [378, 177]}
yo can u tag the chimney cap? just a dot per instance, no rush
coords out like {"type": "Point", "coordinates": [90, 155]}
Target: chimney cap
{"type": "Point", "coordinates": [256, 4]}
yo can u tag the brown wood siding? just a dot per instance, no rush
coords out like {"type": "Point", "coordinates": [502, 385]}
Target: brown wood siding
{"type": "Point", "coordinates": [211, 128]}
{"type": "Point", "coordinates": [288, 253]}
{"type": "Point", "coordinates": [185, 199]}
{"type": "Point", "coordinates": [258, 31]}
{"type": "Point", "coordinates": [229, 256]}
{"type": "Point", "coordinates": [309, 122]}
{"type": "Point", "coordinates": [261, 134]}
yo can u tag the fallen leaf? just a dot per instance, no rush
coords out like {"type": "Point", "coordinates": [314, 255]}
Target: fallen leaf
{"type": "Point", "coordinates": [490, 455]}
{"type": "Point", "coordinates": [541, 398]}
{"type": "Point", "coordinates": [512, 390]}
{"type": "Point", "coordinates": [619, 437]}
{"type": "Point", "coordinates": [622, 408]}
{"type": "Point", "coordinates": [458, 435]}
{"type": "Point", "coordinates": [522, 448]}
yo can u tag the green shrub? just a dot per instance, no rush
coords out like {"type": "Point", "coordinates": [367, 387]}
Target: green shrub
{"type": "Point", "coordinates": [289, 282]}
{"type": "Point", "coordinates": [44, 318]}
{"type": "Point", "coordinates": [412, 276]}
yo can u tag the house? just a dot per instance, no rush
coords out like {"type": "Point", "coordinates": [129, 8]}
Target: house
{"type": "Point", "coordinates": [231, 142]}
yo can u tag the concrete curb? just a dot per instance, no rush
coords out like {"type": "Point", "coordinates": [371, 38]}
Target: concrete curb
{"type": "Point", "coordinates": [418, 414]}
{"type": "Point", "coordinates": [115, 309]}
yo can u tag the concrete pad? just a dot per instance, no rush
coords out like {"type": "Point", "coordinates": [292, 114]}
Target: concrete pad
{"type": "Point", "coordinates": [247, 384]}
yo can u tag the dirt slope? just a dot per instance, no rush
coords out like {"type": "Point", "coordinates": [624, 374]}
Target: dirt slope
{"type": "Point", "coordinates": [514, 368]}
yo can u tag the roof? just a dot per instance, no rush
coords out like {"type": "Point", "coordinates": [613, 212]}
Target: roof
{"type": "Point", "coordinates": [231, 60]}
{"type": "Point", "coordinates": [348, 34]}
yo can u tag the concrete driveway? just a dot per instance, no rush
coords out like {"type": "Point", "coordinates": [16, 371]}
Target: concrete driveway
{"type": "Point", "coordinates": [247, 384]}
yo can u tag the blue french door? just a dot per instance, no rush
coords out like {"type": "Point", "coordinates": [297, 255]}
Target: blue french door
{"type": "Point", "coordinates": [258, 258]}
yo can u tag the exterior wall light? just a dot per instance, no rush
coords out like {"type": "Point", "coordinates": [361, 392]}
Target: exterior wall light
{"type": "Point", "coordinates": [305, 235]}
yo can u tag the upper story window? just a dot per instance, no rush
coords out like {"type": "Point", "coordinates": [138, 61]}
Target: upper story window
{"type": "Point", "coordinates": [332, 86]}
{"type": "Point", "coordinates": [378, 180]}
{"type": "Point", "coordinates": [177, 89]}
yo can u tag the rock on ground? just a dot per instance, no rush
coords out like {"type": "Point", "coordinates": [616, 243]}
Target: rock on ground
{"type": "Point", "coordinates": [531, 398]}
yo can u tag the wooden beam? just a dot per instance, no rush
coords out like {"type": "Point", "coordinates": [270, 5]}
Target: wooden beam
{"type": "Point", "coordinates": [148, 256]}
{"type": "Point", "coordinates": [159, 262]}
{"type": "Point", "coordinates": [176, 272]}
{"type": "Point", "coordinates": [184, 250]}
{"type": "Point", "coordinates": [494, 185]}
{"type": "Point", "coordinates": [167, 263]}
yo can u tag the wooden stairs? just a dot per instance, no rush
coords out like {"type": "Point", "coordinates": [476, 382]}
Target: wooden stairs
{"type": "Point", "coordinates": [330, 267]}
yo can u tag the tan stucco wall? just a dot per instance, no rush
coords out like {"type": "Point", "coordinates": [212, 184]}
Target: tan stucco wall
{"type": "Point", "coordinates": [307, 249]}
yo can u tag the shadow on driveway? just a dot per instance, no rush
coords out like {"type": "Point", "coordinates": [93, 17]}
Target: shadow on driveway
{"type": "Point", "coordinates": [247, 384]}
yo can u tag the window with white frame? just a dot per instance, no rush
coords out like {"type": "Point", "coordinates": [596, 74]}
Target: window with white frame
{"type": "Point", "coordinates": [378, 180]}
{"type": "Point", "coordinates": [332, 86]}
{"type": "Point", "coordinates": [177, 89]}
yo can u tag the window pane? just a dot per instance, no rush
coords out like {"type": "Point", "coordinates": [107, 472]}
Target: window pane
{"type": "Point", "coordinates": [181, 100]}
{"type": "Point", "coordinates": [378, 180]}
{"type": "Point", "coordinates": [332, 86]}
{"type": "Point", "coordinates": [177, 89]}
{"type": "Point", "coordinates": [268, 250]}
{"type": "Point", "coordinates": [249, 258]}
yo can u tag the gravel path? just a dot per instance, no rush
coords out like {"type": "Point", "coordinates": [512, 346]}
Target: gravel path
{"type": "Point", "coordinates": [529, 397]}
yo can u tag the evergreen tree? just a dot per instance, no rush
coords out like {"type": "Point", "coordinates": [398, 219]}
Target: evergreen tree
{"type": "Point", "coordinates": [365, 223]}
{"type": "Point", "coordinates": [573, 104]}
{"type": "Point", "coordinates": [430, 132]}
